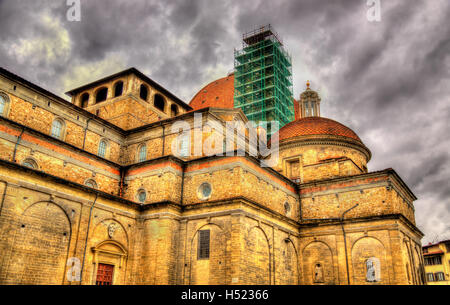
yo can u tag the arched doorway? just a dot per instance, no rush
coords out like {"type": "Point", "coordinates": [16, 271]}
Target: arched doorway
{"type": "Point", "coordinates": [109, 263]}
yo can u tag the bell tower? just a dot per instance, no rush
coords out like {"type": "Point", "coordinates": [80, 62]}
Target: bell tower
{"type": "Point", "coordinates": [309, 102]}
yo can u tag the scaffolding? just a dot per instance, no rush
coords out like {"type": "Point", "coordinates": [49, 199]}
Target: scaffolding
{"type": "Point", "coordinates": [263, 78]}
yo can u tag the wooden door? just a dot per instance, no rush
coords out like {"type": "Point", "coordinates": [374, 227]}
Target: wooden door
{"type": "Point", "coordinates": [104, 274]}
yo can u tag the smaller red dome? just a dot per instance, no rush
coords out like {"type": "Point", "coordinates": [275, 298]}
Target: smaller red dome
{"type": "Point", "coordinates": [219, 93]}
{"type": "Point", "coordinates": [315, 126]}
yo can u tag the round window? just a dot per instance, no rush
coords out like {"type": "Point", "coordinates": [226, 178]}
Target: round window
{"type": "Point", "coordinates": [204, 191]}
{"type": "Point", "coordinates": [91, 183]}
{"type": "Point", "coordinates": [30, 163]}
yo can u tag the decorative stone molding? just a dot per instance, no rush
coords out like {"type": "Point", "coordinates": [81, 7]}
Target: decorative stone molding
{"type": "Point", "coordinates": [112, 227]}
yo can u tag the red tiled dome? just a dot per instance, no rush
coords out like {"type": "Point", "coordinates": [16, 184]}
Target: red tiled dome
{"type": "Point", "coordinates": [219, 93]}
{"type": "Point", "coordinates": [316, 126]}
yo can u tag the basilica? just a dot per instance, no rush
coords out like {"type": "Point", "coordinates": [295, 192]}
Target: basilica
{"type": "Point", "coordinates": [93, 191]}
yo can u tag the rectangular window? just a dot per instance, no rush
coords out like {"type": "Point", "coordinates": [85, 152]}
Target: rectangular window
{"type": "Point", "coordinates": [430, 277]}
{"type": "Point", "coordinates": [439, 276]}
{"type": "Point", "coordinates": [437, 260]}
{"type": "Point", "coordinates": [203, 244]}
{"type": "Point", "coordinates": [294, 169]}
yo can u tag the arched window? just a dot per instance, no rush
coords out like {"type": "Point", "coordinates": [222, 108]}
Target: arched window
{"type": "Point", "coordinates": [3, 105]}
{"type": "Point", "coordinates": [102, 148]}
{"type": "Point", "coordinates": [306, 109]}
{"type": "Point", "coordinates": [159, 102]}
{"type": "Point", "coordinates": [91, 183]}
{"type": "Point", "coordinates": [142, 196]}
{"type": "Point", "coordinates": [30, 163]}
{"type": "Point", "coordinates": [85, 100]}
{"type": "Point", "coordinates": [57, 129]}
{"type": "Point", "coordinates": [118, 89]}
{"type": "Point", "coordinates": [143, 92]}
{"type": "Point", "coordinates": [313, 110]}
{"type": "Point", "coordinates": [174, 110]}
{"type": "Point", "coordinates": [102, 94]}
{"type": "Point", "coordinates": [142, 156]}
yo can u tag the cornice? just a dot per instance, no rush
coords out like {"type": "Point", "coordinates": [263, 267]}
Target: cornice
{"type": "Point", "coordinates": [326, 140]}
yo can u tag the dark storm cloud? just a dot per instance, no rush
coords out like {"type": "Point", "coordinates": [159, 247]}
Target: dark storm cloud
{"type": "Point", "coordinates": [386, 80]}
{"type": "Point", "coordinates": [21, 21]}
{"type": "Point", "coordinates": [185, 14]}
{"type": "Point", "coordinates": [430, 166]}
{"type": "Point", "coordinates": [109, 26]}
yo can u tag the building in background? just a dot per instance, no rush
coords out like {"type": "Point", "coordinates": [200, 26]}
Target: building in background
{"type": "Point", "coordinates": [437, 263]}
{"type": "Point", "coordinates": [263, 78]}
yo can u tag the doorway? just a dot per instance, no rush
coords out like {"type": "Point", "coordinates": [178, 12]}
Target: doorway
{"type": "Point", "coordinates": [104, 274]}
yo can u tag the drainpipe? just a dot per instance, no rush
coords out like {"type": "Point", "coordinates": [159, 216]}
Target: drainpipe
{"type": "Point", "coordinates": [345, 241]}
{"type": "Point", "coordinates": [85, 131]}
{"type": "Point", "coordinates": [300, 210]}
{"type": "Point", "coordinates": [17, 144]}
{"type": "Point", "coordinates": [163, 139]}
{"type": "Point", "coordinates": [3, 197]}
{"type": "Point", "coordinates": [87, 234]}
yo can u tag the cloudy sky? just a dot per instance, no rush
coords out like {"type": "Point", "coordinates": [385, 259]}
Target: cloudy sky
{"type": "Point", "coordinates": [387, 80]}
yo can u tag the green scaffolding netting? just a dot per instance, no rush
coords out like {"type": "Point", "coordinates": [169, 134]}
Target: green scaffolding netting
{"type": "Point", "coordinates": [263, 82]}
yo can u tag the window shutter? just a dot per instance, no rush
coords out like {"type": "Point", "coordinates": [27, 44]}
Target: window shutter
{"type": "Point", "coordinates": [203, 244]}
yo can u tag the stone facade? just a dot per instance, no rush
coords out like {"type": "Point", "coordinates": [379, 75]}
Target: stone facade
{"type": "Point", "coordinates": [68, 204]}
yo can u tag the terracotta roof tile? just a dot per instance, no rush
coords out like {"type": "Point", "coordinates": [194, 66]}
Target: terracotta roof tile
{"type": "Point", "coordinates": [439, 242]}
{"type": "Point", "coordinates": [316, 126]}
{"type": "Point", "coordinates": [219, 93]}
{"type": "Point", "coordinates": [434, 252]}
